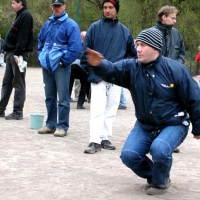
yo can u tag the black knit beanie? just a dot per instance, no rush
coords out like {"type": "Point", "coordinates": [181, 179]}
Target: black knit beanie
{"type": "Point", "coordinates": [152, 37]}
{"type": "Point", "coordinates": [114, 2]}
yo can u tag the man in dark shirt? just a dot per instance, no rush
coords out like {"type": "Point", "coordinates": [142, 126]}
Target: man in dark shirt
{"type": "Point", "coordinates": [18, 43]}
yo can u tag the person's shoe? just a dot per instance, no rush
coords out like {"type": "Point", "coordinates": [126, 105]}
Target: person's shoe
{"type": "Point", "coordinates": [122, 107]}
{"type": "Point", "coordinates": [80, 107]}
{"type": "Point", "coordinates": [72, 100]}
{"type": "Point", "coordinates": [93, 148]}
{"type": "Point", "coordinates": [147, 186]}
{"type": "Point", "coordinates": [176, 150]}
{"type": "Point", "coordinates": [2, 113]}
{"type": "Point", "coordinates": [46, 130]}
{"type": "Point", "coordinates": [15, 116]}
{"type": "Point", "coordinates": [106, 144]}
{"type": "Point", "coordinates": [60, 133]}
{"type": "Point", "coordinates": [158, 191]}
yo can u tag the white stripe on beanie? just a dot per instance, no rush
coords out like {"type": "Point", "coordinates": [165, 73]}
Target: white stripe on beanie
{"type": "Point", "coordinates": [152, 37]}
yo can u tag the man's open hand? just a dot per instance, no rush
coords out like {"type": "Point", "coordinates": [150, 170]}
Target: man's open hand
{"type": "Point", "coordinates": [94, 58]}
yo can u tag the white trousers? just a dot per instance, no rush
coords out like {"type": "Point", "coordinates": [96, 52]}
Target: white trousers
{"type": "Point", "coordinates": [2, 63]}
{"type": "Point", "coordinates": [105, 98]}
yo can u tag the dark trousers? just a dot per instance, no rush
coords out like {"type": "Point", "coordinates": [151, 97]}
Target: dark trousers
{"type": "Point", "coordinates": [88, 92]}
{"type": "Point", "coordinates": [13, 78]}
{"type": "Point", "coordinates": [78, 73]}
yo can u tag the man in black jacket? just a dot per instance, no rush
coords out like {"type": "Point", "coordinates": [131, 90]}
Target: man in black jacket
{"type": "Point", "coordinates": [18, 43]}
{"type": "Point", "coordinates": [2, 63]}
{"type": "Point", "coordinates": [173, 43]}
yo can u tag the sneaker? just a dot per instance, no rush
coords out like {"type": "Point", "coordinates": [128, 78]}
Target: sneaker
{"type": "Point", "coordinates": [122, 107]}
{"type": "Point", "coordinates": [15, 116]}
{"type": "Point", "coordinates": [106, 144]}
{"type": "Point", "coordinates": [60, 133]}
{"type": "Point", "coordinates": [46, 130]}
{"type": "Point", "coordinates": [2, 113]}
{"type": "Point", "coordinates": [93, 148]}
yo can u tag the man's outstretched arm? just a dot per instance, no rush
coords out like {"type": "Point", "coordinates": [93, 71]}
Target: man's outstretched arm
{"type": "Point", "coordinates": [94, 58]}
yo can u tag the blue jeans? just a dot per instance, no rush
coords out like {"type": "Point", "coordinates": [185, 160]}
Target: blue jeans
{"type": "Point", "coordinates": [57, 84]}
{"type": "Point", "coordinates": [160, 144]}
{"type": "Point", "coordinates": [122, 98]}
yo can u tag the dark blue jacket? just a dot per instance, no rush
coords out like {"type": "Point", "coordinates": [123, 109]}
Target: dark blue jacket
{"type": "Point", "coordinates": [112, 39]}
{"type": "Point", "coordinates": [163, 91]}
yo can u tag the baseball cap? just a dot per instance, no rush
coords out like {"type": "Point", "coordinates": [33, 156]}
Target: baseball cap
{"type": "Point", "coordinates": [57, 2]}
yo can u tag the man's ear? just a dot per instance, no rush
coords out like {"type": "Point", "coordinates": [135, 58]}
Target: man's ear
{"type": "Point", "coordinates": [164, 17]}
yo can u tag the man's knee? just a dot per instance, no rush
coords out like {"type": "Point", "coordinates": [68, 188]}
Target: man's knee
{"type": "Point", "coordinates": [130, 158]}
{"type": "Point", "coordinates": [160, 150]}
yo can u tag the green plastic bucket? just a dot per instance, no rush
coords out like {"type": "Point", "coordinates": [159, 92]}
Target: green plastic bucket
{"type": "Point", "coordinates": [37, 121]}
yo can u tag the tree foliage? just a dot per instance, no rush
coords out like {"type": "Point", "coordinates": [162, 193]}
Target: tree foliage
{"type": "Point", "coordinates": [135, 14]}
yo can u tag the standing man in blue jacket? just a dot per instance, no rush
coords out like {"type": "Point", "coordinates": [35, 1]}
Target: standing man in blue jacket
{"type": "Point", "coordinates": [166, 100]}
{"type": "Point", "coordinates": [59, 44]}
{"type": "Point", "coordinates": [115, 42]}
{"type": "Point", "coordinates": [18, 42]}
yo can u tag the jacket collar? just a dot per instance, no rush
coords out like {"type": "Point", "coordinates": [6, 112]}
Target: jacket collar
{"type": "Point", "coordinates": [20, 11]}
{"type": "Point", "coordinates": [116, 20]}
{"type": "Point", "coordinates": [164, 27]}
{"type": "Point", "coordinates": [60, 18]}
{"type": "Point", "coordinates": [153, 63]}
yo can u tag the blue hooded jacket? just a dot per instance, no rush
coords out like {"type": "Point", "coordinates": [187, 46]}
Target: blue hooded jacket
{"type": "Point", "coordinates": [59, 41]}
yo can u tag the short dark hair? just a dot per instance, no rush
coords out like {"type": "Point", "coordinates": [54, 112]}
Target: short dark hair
{"type": "Point", "coordinates": [166, 10]}
{"type": "Point", "coordinates": [23, 2]}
